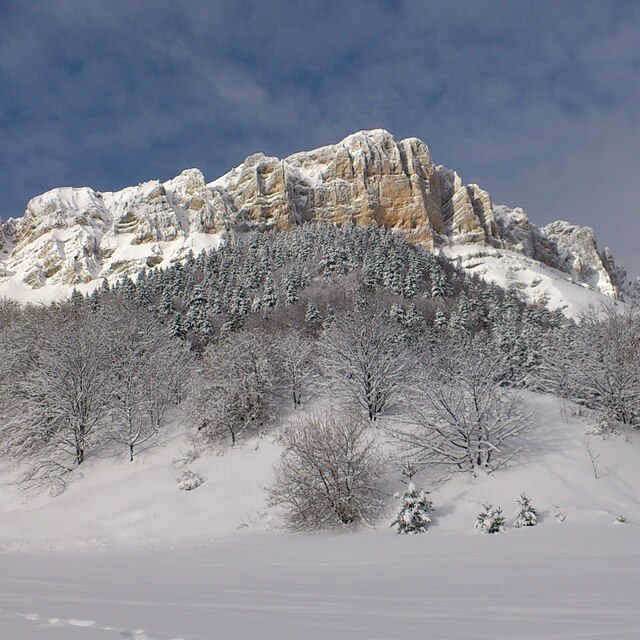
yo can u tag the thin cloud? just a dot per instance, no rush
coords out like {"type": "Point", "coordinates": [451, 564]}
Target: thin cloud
{"type": "Point", "coordinates": [538, 102]}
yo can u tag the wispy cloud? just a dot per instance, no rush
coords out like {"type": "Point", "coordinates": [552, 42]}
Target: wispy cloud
{"type": "Point", "coordinates": [536, 101]}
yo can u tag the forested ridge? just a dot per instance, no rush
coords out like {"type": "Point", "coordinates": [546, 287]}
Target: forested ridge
{"type": "Point", "coordinates": [399, 339]}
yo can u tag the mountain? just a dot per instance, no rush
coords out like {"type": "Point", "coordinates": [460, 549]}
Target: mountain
{"type": "Point", "coordinates": [75, 237]}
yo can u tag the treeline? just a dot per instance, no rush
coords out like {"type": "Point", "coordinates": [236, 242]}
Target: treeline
{"type": "Point", "coordinates": [291, 318]}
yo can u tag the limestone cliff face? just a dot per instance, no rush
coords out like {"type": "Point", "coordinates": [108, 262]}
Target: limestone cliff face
{"type": "Point", "coordinates": [368, 178]}
{"type": "Point", "coordinates": [577, 252]}
{"type": "Point", "coordinates": [467, 210]}
{"type": "Point", "coordinates": [73, 236]}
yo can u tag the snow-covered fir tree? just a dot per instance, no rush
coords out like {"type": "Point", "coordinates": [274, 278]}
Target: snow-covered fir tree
{"type": "Point", "coordinates": [312, 314]}
{"type": "Point", "coordinates": [413, 511]}
{"type": "Point", "coordinates": [490, 519]}
{"type": "Point", "coordinates": [413, 319]}
{"type": "Point", "coordinates": [527, 515]}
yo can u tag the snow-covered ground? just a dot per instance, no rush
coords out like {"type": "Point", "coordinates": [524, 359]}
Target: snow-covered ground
{"type": "Point", "coordinates": [535, 280]}
{"type": "Point", "coordinates": [123, 553]}
{"type": "Point", "coordinates": [556, 581]}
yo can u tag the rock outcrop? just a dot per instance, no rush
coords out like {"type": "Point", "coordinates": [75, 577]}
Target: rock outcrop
{"type": "Point", "coordinates": [368, 178]}
{"type": "Point", "coordinates": [73, 236]}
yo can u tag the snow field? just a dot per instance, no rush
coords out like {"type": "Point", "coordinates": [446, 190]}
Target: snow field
{"type": "Point", "coordinates": [561, 582]}
{"type": "Point", "coordinates": [535, 280]}
{"type": "Point", "coordinates": [124, 553]}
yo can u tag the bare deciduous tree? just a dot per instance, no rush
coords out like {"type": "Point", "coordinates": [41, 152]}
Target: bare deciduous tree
{"type": "Point", "coordinates": [461, 415]}
{"type": "Point", "coordinates": [597, 364]}
{"type": "Point", "coordinates": [607, 364]}
{"type": "Point", "coordinates": [363, 357]}
{"type": "Point", "coordinates": [72, 378]}
{"type": "Point", "coordinates": [54, 410]}
{"type": "Point", "coordinates": [295, 355]}
{"type": "Point", "coordinates": [328, 473]}
{"type": "Point", "coordinates": [147, 367]}
{"type": "Point", "coordinates": [236, 389]}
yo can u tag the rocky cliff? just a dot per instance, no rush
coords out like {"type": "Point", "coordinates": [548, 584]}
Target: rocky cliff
{"type": "Point", "coordinates": [71, 236]}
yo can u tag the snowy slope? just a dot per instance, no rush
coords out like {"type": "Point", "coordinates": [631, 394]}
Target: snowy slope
{"type": "Point", "coordinates": [133, 504]}
{"type": "Point", "coordinates": [130, 556]}
{"type": "Point", "coordinates": [117, 503]}
{"type": "Point", "coordinates": [535, 280]}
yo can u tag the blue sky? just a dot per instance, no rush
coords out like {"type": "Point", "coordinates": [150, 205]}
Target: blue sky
{"type": "Point", "coordinates": [538, 102]}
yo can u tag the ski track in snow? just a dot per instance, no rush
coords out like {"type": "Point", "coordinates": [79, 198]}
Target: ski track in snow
{"type": "Point", "coordinates": [138, 634]}
{"type": "Point", "coordinates": [173, 565]}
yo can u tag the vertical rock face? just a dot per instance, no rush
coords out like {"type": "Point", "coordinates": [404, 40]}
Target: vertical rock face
{"type": "Point", "coordinates": [578, 253]}
{"type": "Point", "coordinates": [57, 238]}
{"type": "Point", "coordinates": [72, 236]}
{"type": "Point", "coordinates": [467, 210]}
{"type": "Point", "coordinates": [368, 178]}
{"type": "Point", "coordinates": [143, 213]}
{"type": "Point", "coordinates": [194, 204]}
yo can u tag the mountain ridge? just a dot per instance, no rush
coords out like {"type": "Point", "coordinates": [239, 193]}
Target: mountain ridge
{"type": "Point", "coordinates": [76, 237]}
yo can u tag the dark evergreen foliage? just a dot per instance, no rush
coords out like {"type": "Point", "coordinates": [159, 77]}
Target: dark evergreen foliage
{"type": "Point", "coordinates": [307, 275]}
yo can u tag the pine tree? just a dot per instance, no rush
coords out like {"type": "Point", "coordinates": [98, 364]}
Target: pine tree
{"type": "Point", "coordinates": [397, 312]}
{"type": "Point", "coordinates": [440, 322]}
{"type": "Point", "coordinates": [370, 272]}
{"type": "Point", "coordinates": [527, 515]}
{"type": "Point", "coordinates": [461, 317]}
{"type": "Point", "coordinates": [198, 315]}
{"type": "Point", "coordinates": [312, 315]}
{"type": "Point", "coordinates": [413, 319]}
{"type": "Point", "coordinates": [490, 519]}
{"type": "Point", "coordinates": [166, 304]}
{"type": "Point", "coordinates": [411, 279]}
{"type": "Point", "coordinates": [413, 512]}
{"type": "Point", "coordinates": [175, 329]}
{"type": "Point", "coordinates": [77, 299]}
{"type": "Point", "coordinates": [95, 299]}
{"type": "Point", "coordinates": [291, 288]}
{"type": "Point", "coordinates": [439, 285]}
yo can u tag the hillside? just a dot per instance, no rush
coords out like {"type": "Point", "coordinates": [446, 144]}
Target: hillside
{"type": "Point", "coordinates": [113, 503]}
{"type": "Point", "coordinates": [215, 557]}
{"type": "Point", "coordinates": [78, 237]}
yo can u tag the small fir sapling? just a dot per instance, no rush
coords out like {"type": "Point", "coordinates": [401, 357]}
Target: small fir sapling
{"type": "Point", "coordinates": [490, 519]}
{"type": "Point", "coordinates": [413, 512]}
{"type": "Point", "coordinates": [527, 515]}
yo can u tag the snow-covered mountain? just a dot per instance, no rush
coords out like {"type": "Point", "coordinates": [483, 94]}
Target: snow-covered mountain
{"type": "Point", "coordinates": [75, 237]}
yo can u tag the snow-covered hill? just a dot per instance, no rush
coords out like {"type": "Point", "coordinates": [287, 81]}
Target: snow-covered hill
{"type": "Point", "coordinates": [132, 556]}
{"type": "Point", "coordinates": [76, 237]}
{"type": "Point", "coordinates": [117, 503]}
